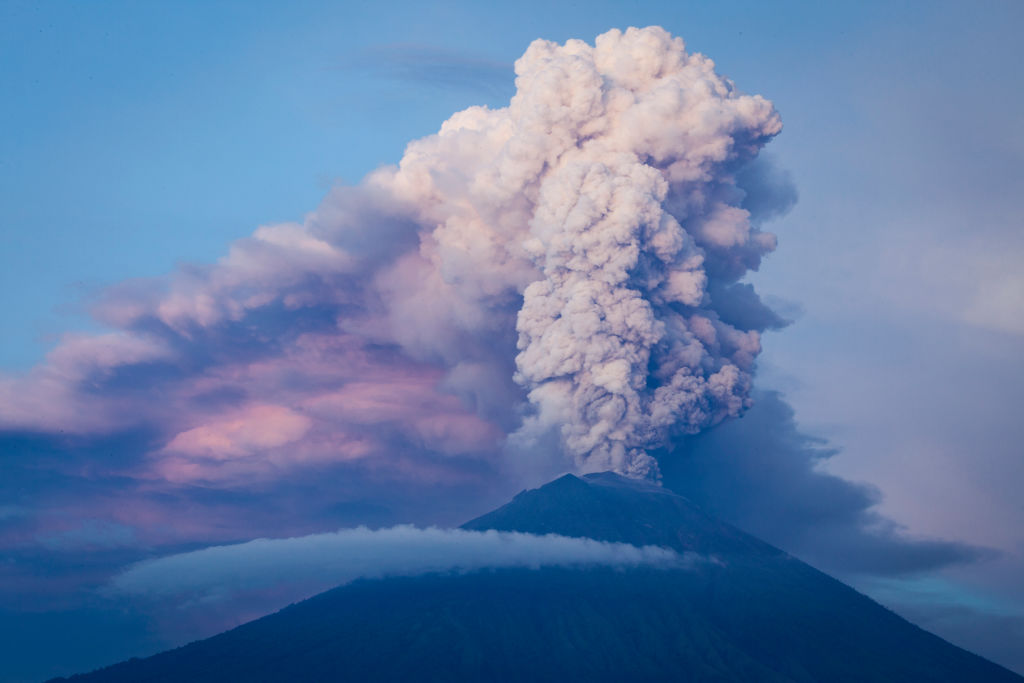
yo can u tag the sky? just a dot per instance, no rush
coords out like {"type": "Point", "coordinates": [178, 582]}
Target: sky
{"type": "Point", "coordinates": [139, 144]}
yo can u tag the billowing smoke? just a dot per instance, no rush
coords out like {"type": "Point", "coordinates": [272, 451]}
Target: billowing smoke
{"type": "Point", "coordinates": [567, 268]}
{"type": "Point", "coordinates": [606, 193]}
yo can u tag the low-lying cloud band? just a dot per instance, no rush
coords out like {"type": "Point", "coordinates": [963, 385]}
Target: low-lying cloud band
{"type": "Point", "coordinates": [298, 567]}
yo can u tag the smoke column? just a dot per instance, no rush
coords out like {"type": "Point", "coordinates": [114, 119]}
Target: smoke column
{"type": "Point", "coordinates": [564, 269]}
{"type": "Point", "coordinates": [606, 193]}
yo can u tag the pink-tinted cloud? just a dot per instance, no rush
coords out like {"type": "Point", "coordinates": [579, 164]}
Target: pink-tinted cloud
{"type": "Point", "coordinates": [551, 285]}
{"type": "Point", "coordinates": [53, 396]}
{"type": "Point", "coordinates": [242, 434]}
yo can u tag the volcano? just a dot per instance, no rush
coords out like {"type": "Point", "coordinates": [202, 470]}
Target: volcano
{"type": "Point", "coordinates": [744, 611]}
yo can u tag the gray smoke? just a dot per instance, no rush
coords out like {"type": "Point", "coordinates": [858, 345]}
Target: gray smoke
{"type": "Point", "coordinates": [607, 194]}
{"type": "Point", "coordinates": [564, 269]}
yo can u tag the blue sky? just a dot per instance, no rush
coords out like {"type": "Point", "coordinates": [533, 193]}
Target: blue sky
{"type": "Point", "coordinates": [136, 137]}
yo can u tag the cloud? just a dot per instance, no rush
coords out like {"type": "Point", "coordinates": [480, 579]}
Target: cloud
{"type": "Point", "coordinates": [258, 427]}
{"type": "Point", "coordinates": [266, 574]}
{"type": "Point", "coordinates": [562, 270]}
{"type": "Point", "coordinates": [764, 475]}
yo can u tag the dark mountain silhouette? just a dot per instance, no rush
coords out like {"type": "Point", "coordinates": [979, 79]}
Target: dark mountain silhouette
{"type": "Point", "coordinates": [745, 612]}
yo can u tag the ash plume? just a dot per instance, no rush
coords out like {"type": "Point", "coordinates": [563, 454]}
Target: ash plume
{"type": "Point", "coordinates": [606, 193]}
{"type": "Point", "coordinates": [565, 268]}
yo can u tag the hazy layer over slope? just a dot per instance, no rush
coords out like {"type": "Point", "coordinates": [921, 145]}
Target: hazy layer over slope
{"type": "Point", "coordinates": [745, 611]}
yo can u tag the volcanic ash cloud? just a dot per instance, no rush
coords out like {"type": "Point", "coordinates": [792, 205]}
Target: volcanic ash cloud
{"type": "Point", "coordinates": [607, 194]}
{"type": "Point", "coordinates": [567, 268]}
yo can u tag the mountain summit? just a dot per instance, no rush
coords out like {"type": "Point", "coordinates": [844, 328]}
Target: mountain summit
{"type": "Point", "coordinates": [742, 610]}
{"type": "Point", "coordinates": [609, 507]}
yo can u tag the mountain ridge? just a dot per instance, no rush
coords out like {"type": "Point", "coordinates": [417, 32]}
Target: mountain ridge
{"type": "Point", "coordinates": [753, 614]}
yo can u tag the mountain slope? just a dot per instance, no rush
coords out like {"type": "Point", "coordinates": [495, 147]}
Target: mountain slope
{"type": "Point", "coordinates": [745, 612]}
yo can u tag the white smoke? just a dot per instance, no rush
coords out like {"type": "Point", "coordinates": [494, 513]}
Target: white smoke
{"type": "Point", "coordinates": [605, 194]}
{"type": "Point", "coordinates": [564, 268]}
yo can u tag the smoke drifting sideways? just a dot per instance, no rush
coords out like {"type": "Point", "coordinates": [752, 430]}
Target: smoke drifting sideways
{"type": "Point", "coordinates": [566, 270]}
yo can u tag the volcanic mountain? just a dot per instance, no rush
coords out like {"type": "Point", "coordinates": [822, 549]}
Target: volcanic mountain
{"type": "Point", "coordinates": [744, 611]}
